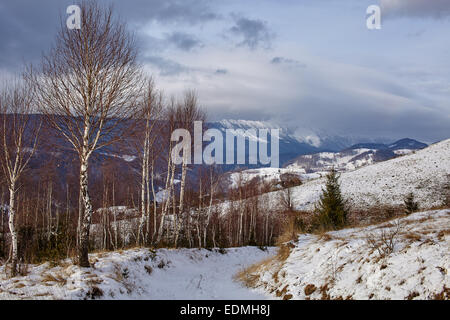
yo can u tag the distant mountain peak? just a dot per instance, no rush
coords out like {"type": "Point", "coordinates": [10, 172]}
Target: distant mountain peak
{"type": "Point", "coordinates": [405, 143]}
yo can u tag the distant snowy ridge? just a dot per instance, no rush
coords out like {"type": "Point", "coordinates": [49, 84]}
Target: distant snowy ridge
{"type": "Point", "coordinates": [356, 156]}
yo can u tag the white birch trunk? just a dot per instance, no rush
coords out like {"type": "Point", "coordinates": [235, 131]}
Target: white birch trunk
{"type": "Point", "coordinates": [12, 229]}
{"type": "Point", "coordinates": [154, 202]}
{"type": "Point", "coordinates": [144, 213]}
{"type": "Point", "coordinates": [167, 201]}
{"type": "Point", "coordinates": [86, 217]}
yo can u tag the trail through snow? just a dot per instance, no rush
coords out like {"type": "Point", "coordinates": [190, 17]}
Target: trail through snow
{"type": "Point", "coordinates": [142, 274]}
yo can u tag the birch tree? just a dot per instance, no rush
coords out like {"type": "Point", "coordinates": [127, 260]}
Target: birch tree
{"type": "Point", "coordinates": [166, 133]}
{"type": "Point", "coordinates": [87, 87]}
{"type": "Point", "coordinates": [152, 108]}
{"type": "Point", "coordinates": [186, 113]}
{"type": "Point", "coordinates": [19, 137]}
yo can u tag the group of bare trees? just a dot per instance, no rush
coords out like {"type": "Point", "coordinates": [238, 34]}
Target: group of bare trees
{"type": "Point", "coordinates": [18, 140]}
{"type": "Point", "coordinates": [90, 90]}
{"type": "Point", "coordinates": [88, 86]}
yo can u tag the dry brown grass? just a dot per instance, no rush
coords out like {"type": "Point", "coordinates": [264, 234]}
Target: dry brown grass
{"type": "Point", "coordinates": [19, 285]}
{"type": "Point", "coordinates": [324, 291]}
{"type": "Point", "coordinates": [309, 289]}
{"type": "Point", "coordinates": [412, 295]}
{"type": "Point", "coordinates": [325, 237]}
{"type": "Point", "coordinates": [441, 235]}
{"type": "Point", "coordinates": [373, 215]}
{"type": "Point", "coordinates": [250, 276]}
{"type": "Point", "coordinates": [412, 236]}
{"type": "Point", "coordinates": [282, 292]}
{"type": "Point", "coordinates": [443, 295]}
{"type": "Point", "coordinates": [56, 278]}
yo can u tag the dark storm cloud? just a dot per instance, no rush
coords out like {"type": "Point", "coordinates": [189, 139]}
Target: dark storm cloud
{"type": "Point", "coordinates": [166, 11]}
{"type": "Point", "coordinates": [221, 71]}
{"type": "Point", "coordinates": [27, 28]}
{"type": "Point", "coordinates": [184, 41]}
{"type": "Point", "coordinates": [415, 8]}
{"type": "Point", "coordinates": [254, 32]}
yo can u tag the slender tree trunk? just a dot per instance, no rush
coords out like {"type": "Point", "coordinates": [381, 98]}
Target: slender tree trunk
{"type": "Point", "coordinates": [144, 196]}
{"type": "Point", "coordinates": [12, 229]}
{"type": "Point", "coordinates": [87, 215]}
{"type": "Point", "coordinates": [147, 227]}
{"type": "Point", "coordinates": [208, 217]}
{"type": "Point", "coordinates": [154, 202]}
{"type": "Point", "coordinates": [181, 207]}
{"type": "Point", "coordinates": [167, 201]}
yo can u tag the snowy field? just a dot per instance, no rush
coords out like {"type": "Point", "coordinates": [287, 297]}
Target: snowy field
{"type": "Point", "coordinates": [345, 264]}
{"type": "Point", "coordinates": [342, 161]}
{"type": "Point", "coordinates": [268, 175]}
{"type": "Point", "coordinates": [141, 274]}
{"type": "Point", "coordinates": [423, 172]}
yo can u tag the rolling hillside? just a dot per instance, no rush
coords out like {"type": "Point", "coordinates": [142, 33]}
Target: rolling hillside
{"type": "Point", "coordinates": [424, 173]}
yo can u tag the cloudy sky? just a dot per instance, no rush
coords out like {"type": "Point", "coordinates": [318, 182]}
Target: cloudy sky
{"type": "Point", "coordinates": [308, 65]}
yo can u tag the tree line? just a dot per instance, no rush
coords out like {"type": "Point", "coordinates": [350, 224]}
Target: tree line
{"type": "Point", "coordinates": [93, 96]}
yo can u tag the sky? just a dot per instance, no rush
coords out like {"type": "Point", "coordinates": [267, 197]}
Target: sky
{"type": "Point", "coordinates": [307, 65]}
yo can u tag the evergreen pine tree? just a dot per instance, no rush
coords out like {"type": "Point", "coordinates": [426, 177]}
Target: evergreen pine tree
{"type": "Point", "coordinates": [332, 208]}
{"type": "Point", "coordinates": [410, 204]}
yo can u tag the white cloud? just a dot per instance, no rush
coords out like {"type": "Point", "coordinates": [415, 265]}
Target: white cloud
{"type": "Point", "coordinates": [329, 96]}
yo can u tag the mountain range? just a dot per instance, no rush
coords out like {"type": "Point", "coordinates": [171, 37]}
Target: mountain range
{"type": "Point", "coordinates": [356, 156]}
{"type": "Point", "coordinates": [293, 143]}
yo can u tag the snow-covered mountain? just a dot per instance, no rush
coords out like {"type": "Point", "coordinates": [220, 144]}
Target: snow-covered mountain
{"type": "Point", "coordinates": [356, 156]}
{"type": "Point", "coordinates": [294, 141]}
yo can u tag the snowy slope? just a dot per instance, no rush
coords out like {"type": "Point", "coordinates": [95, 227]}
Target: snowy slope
{"type": "Point", "coordinates": [356, 156]}
{"type": "Point", "coordinates": [343, 264]}
{"type": "Point", "coordinates": [423, 173]}
{"type": "Point", "coordinates": [141, 274]}
{"type": "Point", "coordinates": [268, 175]}
{"type": "Point", "coordinates": [346, 160]}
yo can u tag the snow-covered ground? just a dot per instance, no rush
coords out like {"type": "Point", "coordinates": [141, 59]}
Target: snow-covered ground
{"type": "Point", "coordinates": [346, 160]}
{"type": "Point", "coordinates": [344, 264]}
{"type": "Point", "coordinates": [268, 175]}
{"type": "Point", "coordinates": [140, 274]}
{"type": "Point", "coordinates": [424, 172]}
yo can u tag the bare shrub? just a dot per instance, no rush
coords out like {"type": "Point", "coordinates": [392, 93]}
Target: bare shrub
{"type": "Point", "coordinates": [148, 269]}
{"type": "Point", "coordinates": [94, 293]}
{"type": "Point", "coordinates": [289, 180]}
{"type": "Point", "coordinates": [374, 214]}
{"type": "Point", "coordinates": [384, 242]}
